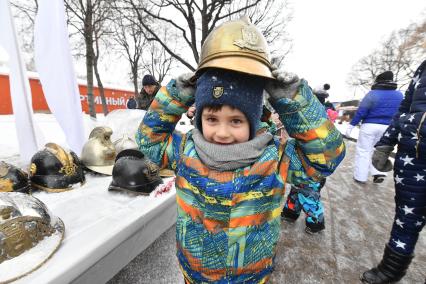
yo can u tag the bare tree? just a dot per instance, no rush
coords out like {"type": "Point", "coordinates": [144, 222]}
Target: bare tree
{"type": "Point", "coordinates": [26, 12]}
{"type": "Point", "coordinates": [156, 61]}
{"type": "Point", "coordinates": [401, 53]}
{"type": "Point", "coordinates": [189, 22]}
{"type": "Point", "coordinates": [129, 40]}
{"type": "Point", "coordinates": [89, 20]}
{"type": "Point", "coordinates": [143, 55]}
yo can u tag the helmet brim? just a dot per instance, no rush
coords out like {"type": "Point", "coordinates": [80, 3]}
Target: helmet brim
{"type": "Point", "coordinates": [238, 64]}
{"type": "Point", "coordinates": [33, 258]}
{"type": "Point", "coordinates": [106, 170]}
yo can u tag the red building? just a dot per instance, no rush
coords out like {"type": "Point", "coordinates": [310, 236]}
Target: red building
{"type": "Point", "coordinates": [115, 98]}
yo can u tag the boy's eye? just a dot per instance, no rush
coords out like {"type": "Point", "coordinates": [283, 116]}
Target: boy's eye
{"type": "Point", "coordinates": [211, 119]}
{"type": "Point", "coordinates": [236, 121]}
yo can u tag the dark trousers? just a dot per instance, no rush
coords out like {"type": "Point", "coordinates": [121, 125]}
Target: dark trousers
{"type": "Point", "coordinates": [410, 201]}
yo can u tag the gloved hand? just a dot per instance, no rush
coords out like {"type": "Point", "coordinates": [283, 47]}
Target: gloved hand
{"type": "Point", "coordinates": [186, 84]}
{"type": "Point", "coordinates": [285, 85]}
{"type": "Point", "coordinates": [349, 130]}
{"type": "Point", "coordinates": [380, 158]}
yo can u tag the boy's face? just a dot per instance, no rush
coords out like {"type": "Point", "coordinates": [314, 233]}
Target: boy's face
{"type": "Point", "coordinates": [225, 126]}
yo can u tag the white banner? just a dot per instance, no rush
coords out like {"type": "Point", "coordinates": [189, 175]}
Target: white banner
{"type": "Point", "coordinates": [19, 86]}
{"type": "Point", "coordinates": [56, 70]}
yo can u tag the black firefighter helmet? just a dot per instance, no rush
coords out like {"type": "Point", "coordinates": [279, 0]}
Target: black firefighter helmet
{"type": "Point", "coordinates": [13, 179]}
{"type": "Point", "coordinates": [135, 173]}
{"type": "Point", "coordinates": [55, 170]}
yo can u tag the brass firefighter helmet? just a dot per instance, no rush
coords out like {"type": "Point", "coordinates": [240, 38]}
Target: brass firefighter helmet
{"type": "Point", "coordinates": [98, 153]}
{"type": "Point", "coordinates": [239, 46]}
{"type": "Point", "coordinates": [25, 223]}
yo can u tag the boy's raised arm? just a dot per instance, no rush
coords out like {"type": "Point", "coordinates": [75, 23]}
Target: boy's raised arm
{"type": "Point", "coordinates": [318, 147]}
{"type": "Point", "coordinates": [156, 137]}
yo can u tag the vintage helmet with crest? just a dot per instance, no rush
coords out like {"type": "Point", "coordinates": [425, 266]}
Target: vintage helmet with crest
{"type": "Point", "coordinates": [239, 46]}
{"type": "Point", "coordinates": [135, 173]}
{"type": "Point", "coordinates": [98, 152]}
{"type": "Point", "coordinates": [25, 223]}
{"type": "Point", "coordinates": [13, 179]}
{"type": "Point", "coordinates": [125, 142]}
{"type": "Point", "coordinates": [55, 170]}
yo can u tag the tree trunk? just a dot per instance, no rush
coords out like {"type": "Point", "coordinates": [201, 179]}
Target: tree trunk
{"type": "Point", "coordinates": [135, 79]}
{"type": "Point", "coordinates": [98, 78]}
{"type": "Point", "coordinates": [88, 26]}
{"type": "Point", "coordinates": [101, 88]}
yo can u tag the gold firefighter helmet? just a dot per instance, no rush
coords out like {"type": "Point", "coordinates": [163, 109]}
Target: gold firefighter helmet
{"type": "Point", "coordinates": [239, 46]}
{"type": "Point", "coordinates": [98, 153]}
{"type": "Point", "coordinates": [29, 235]}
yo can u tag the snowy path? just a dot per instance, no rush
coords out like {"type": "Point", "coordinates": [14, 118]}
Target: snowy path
{"type": "Point", "coordinates": [358, 222]}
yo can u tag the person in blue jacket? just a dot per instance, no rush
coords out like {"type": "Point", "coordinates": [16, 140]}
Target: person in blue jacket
{"type": "Point", "coordinates": [375, 112]}
{"type": "Point", "coordinates": [408, 131]}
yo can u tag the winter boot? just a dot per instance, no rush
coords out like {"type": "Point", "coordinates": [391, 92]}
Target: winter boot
{"type": "Point", "coordinates": [391, 269]}
{"type": "Point", "coordinates": [313, 228]}
{"type": "Point", "coordinates": [289, 215]}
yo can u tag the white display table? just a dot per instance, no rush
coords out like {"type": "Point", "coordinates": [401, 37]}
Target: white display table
{"type": "Point", "coordinates": [103, 231]}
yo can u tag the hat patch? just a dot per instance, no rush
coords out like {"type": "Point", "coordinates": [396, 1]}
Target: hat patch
{"type": "Point", "coordinates": [218, 91]}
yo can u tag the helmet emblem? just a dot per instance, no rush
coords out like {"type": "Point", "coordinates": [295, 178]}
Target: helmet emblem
{"type": "Point", "coordinates": [6, 185]}
{"type": "Point", "coordinates": [217, 92]}
{"type": "Point", "coordinates": [33, 169]}
{"type": "Point", "coordinates": [152, 170]}
{"type": "Point", "coordinates": [249, 40]}
{"type": "Point", "coordinates": [69, 169]}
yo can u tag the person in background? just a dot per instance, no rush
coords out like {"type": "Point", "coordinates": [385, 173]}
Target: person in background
{"type": "Point", "coordinates": [131, 103]}
{"type": "Point", "coordinates": [408, 131]}
{"type": "Point", "coordinates": [307, 198]}
{"type": "Point", "coordinates": [375, 112]}
{"type": "Point", "coordinates": [322, 93]}
{"type": "Point", "coordinates": [150, 87]}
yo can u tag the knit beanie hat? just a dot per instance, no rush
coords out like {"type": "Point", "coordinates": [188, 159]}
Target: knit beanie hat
{"type": "Point", "coordinates": [218, 87]}
{"type": "Point", "coordinates": [386, 76]}
{"type": "Point", "coordinates": [384, 81]}
{"type": "Point", "coordinates": [149, 80]}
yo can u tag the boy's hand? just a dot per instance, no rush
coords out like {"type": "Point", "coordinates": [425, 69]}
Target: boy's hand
{"type": "Point", "coordinates": [381, 160]}
{"type": "Point", "coordinates": [186, 84]}
{"type": "Point", "coordinates": [285, 85]}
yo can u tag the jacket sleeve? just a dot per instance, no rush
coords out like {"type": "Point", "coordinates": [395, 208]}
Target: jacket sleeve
{"type": "Point", "coordinates": [156, 137]}
{"type": "Point", "coordinates": [363, 110]}
{"type": "Point", "coordinates": [317, 146]}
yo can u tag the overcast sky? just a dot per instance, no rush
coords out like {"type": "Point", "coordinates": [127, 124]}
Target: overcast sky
{"type": "Point", "coordinates": [332, 35]}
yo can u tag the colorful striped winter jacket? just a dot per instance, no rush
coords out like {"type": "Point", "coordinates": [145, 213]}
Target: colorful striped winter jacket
{"type": "Point", "coordinates": [228, 222]}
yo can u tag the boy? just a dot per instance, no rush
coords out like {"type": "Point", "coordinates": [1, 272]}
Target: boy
{"type": "Point", "coordinates": [230, 182]}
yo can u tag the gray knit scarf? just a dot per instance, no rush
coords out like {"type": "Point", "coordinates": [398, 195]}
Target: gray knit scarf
{"type": "Point", "coordinates": [229, 157]}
